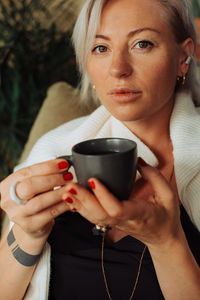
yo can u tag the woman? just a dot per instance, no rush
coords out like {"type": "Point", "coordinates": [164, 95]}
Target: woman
{"type": "Point", "coordinates": [142, 67]}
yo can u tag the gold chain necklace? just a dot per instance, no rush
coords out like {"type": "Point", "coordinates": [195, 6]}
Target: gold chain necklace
{"type": "Point", "coordinates": [104, 274]}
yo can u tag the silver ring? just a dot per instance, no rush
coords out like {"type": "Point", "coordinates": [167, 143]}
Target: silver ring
{"type": "Point", "coordinates": [13, 195]}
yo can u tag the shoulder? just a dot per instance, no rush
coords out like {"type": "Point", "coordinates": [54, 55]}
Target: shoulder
{"type": "Point", "coordinates": [50, 144]}
{"type": "Point", "coordinates": [60, 140]}
{"type": "Point", "coordinates": [63, 129]}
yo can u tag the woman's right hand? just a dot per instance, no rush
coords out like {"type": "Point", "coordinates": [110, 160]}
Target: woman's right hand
{"type": "Point", "coordinates": [36, 184]}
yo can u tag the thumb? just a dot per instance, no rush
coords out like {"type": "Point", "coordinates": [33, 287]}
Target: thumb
{"type": "Point", "coordinates": [158, 182]}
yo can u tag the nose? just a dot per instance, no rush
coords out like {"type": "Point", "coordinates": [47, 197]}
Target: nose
{"type": "Point", "coordinates": [120, 66]}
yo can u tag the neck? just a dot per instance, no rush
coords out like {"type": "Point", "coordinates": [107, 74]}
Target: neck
{"type": "Point", "coordinates": [154, 132]}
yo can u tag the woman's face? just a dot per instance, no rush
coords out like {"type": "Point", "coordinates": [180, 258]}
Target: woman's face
{"type": "Point", "coordinates": [134, 61]}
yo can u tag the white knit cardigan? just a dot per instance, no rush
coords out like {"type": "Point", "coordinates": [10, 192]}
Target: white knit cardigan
{"type": "Point", "coordinates": [185, 136]}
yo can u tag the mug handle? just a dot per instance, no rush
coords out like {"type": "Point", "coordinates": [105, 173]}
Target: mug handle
{"type": "Point", "coordinates": [68, 158]}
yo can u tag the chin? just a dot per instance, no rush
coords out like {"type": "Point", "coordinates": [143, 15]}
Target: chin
{"type": "Point", "coordinates": [127, 114]}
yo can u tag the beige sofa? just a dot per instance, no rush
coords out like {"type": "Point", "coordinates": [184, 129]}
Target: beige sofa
{"type": "Point", "coordinates": [61, 105]}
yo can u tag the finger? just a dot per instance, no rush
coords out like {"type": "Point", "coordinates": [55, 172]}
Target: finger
{"type": "Point", "coordinates": [109, 202]}
{"type": "Point", "coordinates": [32, 186]}
{"type": "Point", "coordinates": [43, 201]}
{"type": "Point", "coordinates": [117, 210]}
{"type": "Point", "coordinates": [37, 222]}
{"type": "Point", "coordinates": [85, 203]}
{"type": "Point", "coordinates": [158, 182]}
{"type": "Point", "coordinates": [45, 168]}
{"type": "Point", "coordinates": [46, 202]}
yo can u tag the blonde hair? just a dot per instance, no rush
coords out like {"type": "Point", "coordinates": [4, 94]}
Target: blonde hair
{"type": "Point", "coordinates": [179, 17]}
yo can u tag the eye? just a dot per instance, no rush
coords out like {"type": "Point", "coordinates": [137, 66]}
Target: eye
{"type": "Point", "coordinates": [100, 49]}
{"type": "Point", "coordinates": [144, 45]}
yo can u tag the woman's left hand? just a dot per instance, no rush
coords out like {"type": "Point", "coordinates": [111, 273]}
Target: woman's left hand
{"type": "Point", "coordinates": [151, 214]}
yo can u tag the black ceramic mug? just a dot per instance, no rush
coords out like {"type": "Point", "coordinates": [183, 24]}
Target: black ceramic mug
{"type": "Point", "coordinates": [111, 160]}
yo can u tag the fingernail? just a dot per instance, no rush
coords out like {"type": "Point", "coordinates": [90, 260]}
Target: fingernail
{"type": "Point", "coordinates": [69, 200]}
{"type": "Point", "coordinates": [63, 165]}
{"type": "Point", "coordinates": [141, 162]}
{"type": "Point", "coordinates": [91, 184]}
{"type": "Point", "coordinates": [72, 191]}
{"type": "Point", "coordinates": [68, 176]}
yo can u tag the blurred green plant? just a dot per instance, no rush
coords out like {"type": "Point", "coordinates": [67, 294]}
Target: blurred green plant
{"type": "Point", "coordinates": [32, 58]}
{"type": "Point", "coordinates": [196, 8]}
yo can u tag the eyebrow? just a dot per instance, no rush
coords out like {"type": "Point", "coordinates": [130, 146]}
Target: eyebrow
{"type": "Point", "coordinates": [130, 34]}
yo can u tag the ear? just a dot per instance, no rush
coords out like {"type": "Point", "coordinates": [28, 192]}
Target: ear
{"type": "Point", "coordinates": [186, 50]}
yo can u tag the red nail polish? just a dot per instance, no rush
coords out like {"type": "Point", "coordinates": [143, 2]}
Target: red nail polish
{"type": "Point", "coordinates": [72, 191]}
{"type": "Point", "coordinates": [63, 165]}
{"type": "Point", "coordinates": [69, 200]}
{"type": "Point", "coordinates": [91, 184]}
{"type": "Point", "coordinates": [68, 176]}
{"type": "Point", "coordinates": [141, 162]}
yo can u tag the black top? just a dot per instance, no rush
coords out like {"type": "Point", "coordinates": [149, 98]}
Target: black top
{"type": "Point", "coordinates": [76, 262]}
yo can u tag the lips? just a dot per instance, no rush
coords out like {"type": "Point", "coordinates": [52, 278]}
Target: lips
{"type": "Point", "coordinates": [124, 95]}
{"type": "Point", "coordinates": [123, 91]}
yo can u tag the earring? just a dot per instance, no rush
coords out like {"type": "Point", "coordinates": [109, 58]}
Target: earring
{"type": "Point", "coordinates": [181, 79]}
{"type": "Point", "coordinates": [188, 60]}
{"type": "Point", "coordinates": [94, 88]}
